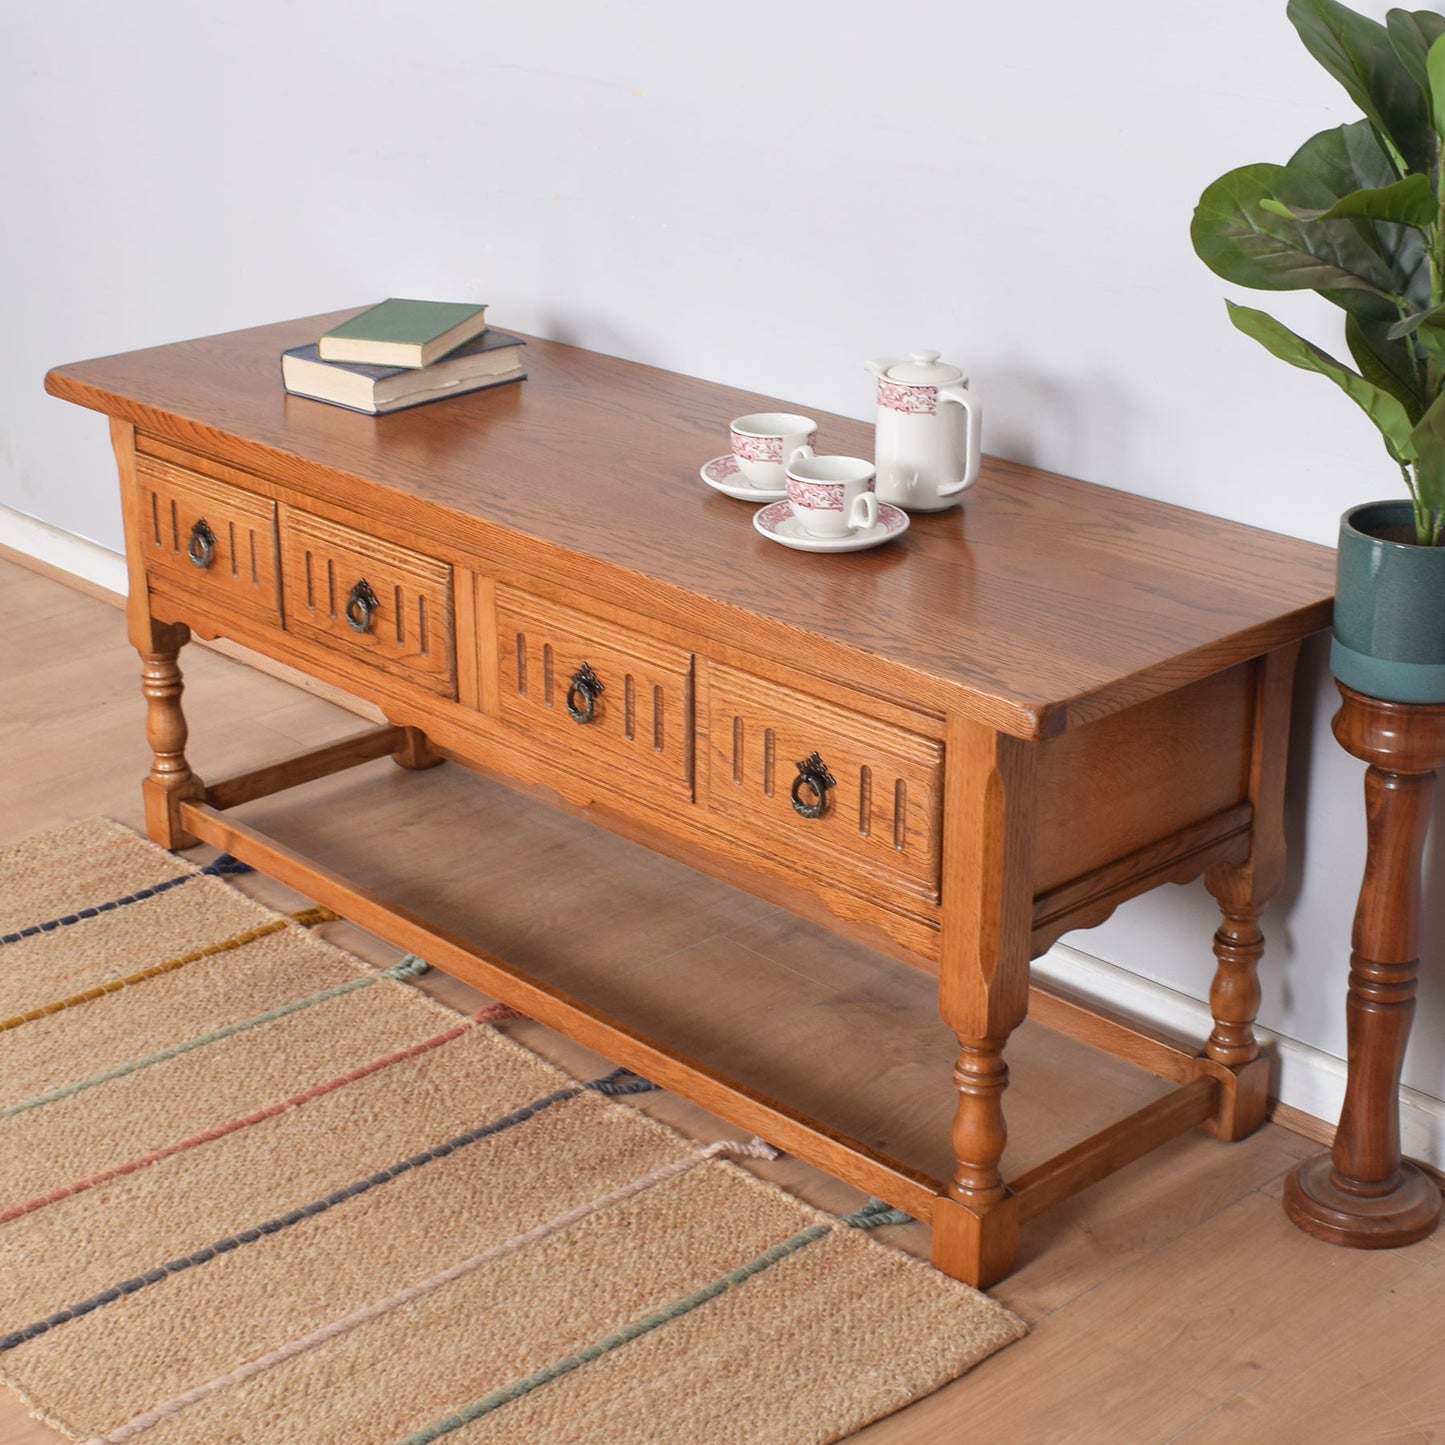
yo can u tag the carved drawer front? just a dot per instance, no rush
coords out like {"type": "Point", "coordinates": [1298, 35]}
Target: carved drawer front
{"type": "Point", "coordinates": [370, 600]}
{"type": "Point", "coordinates": [596, 692]}
{"type": "Point", "coordinates": [210, 538]}
{"type": "Point", "coordinates": [853, 801]}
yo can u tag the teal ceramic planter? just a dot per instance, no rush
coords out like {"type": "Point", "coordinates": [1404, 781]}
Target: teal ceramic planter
{"type": "Point", "coordinates": [1389, 628]}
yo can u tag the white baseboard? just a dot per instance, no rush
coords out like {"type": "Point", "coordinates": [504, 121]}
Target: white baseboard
{"type": "Point", "coordinates": [1307, 1078]}
{"type": "Point", "coordinates": [80, 558]}
{"type": "Point", "coordinates": [95, 569]}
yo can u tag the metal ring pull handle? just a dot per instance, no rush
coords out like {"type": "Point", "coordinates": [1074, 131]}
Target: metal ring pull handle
{"type": "Point", "coordinates": [582, 694]}
{"type": "Point", "coordinates": [201, 548]}
{"type": "Point", "coordinates": [361, 603]}
{"type": "Point", "coordinates": [814, 776]}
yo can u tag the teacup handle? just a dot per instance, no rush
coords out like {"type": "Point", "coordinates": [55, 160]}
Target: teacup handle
{"type": "Point", "coordinates": [802, 451]}
{"type": "Point", "coordinates": [863, 515]}
{"type": "Point", "coordinates": [973, 425]}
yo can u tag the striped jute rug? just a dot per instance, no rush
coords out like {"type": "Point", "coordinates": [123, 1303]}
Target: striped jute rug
{"type": "Point", "coordinates": [254, 1190]}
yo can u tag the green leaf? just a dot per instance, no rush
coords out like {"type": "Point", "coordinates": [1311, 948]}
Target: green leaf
{"type": "Point", "coordinates": [1242, 241]}
{"type": "Point", "coordinates": [1388, 363]}
{"type": "Point", "coordinates": [1412, 32]}
{"type": "Point", "coordinates": [1410, 202]}
{"type": "Point", "coordinates": [1335, 163]}
{"type": "Point", "coordinates": [1358, 53]}
{"type": "Point", "coordinates": [1429, 338]}
{"type": "Point", "coordinates": [1411, 324]}
{"type": "Point", "coordinates": [1428, 439]}
{"type": "Point", "coordinates": [1379, 405]}
{"type": "Point", "coordinates": [1435, 70]}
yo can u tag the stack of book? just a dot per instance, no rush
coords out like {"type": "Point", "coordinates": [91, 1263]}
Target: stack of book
{"type": "Point", "coordinates": [400, 353]}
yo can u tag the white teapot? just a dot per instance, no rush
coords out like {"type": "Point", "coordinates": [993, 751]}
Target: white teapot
{"type": "Point", "coordinates": [927, 440]}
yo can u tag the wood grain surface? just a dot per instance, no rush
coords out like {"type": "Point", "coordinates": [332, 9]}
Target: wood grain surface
{"type": "Point", "coordinates": [1049, 601]}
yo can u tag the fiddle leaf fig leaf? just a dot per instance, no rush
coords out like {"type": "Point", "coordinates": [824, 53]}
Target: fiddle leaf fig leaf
{"type": "Point", "coordinates": [1357, 51]}
{"type": "Point", "coordinates": [1336, 163]}
{"type": "Point", "coordinates": [1384, 409]}
{"type": "Point", "coordinates": [1347, 158]}
{"type": "Point", "coordinates": [1411, 324]}
{"type": "Point", "coordinates": [1430, 338]}
{"type": "Point", "coordinates": [1435, 71]}
{"type": "Point", "coordinates": [1412, 32]}
{"type": "Point", "coordinates": [1410, 202]}
{"type": "Point", "coordinates": [1240, 239]}
{"type": "Point", "coordinates": [1389, 364]}
{"type": "Point", "coordinates": [1428, 439]}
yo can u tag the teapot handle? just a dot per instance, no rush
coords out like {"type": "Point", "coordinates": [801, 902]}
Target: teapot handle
{"type": "Point", "coordinates": [973, 424]}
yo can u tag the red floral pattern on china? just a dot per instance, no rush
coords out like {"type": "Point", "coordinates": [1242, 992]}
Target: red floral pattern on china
{"type": "Point", "coordinates": [820, 496]}
{"type": "Point", "coordinates": [919, 400]}
{"type": "Point", "coordinates": [758, 449]}
{"type": "Point", "coordinates": [721, 469]}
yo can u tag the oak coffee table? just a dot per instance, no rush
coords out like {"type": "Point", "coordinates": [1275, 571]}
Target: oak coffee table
{"type": "Point", "coordinates": [955, 747]}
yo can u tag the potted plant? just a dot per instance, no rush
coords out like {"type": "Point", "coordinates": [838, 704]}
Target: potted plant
{"type": "Point", "coordinates": [1357, 215]}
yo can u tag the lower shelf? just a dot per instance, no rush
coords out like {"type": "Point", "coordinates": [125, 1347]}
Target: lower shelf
{"type": "Point", "coordinates": [831, 1052]}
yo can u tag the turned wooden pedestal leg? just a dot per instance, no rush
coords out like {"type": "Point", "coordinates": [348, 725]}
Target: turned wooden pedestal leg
{"type": "Point", "coordinates": [171, 780]}
{"type": "Point", "coordinates": [1362, 1194]}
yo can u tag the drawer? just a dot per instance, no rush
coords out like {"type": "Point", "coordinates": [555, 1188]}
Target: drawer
{"type": "Point", "coordinates": [637, 728]}
{"type": "Point", "coordinates": [208, 537]}
{"type": "Point", "coordinates": [372, 602]}
{"type": "Point", "coordinates": [876, 810]}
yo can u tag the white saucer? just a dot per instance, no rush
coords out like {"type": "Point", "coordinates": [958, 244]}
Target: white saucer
{"type": "Point", "coordinates": [723, 475]}
{"type": "Point", "coordinates": [778, 522]}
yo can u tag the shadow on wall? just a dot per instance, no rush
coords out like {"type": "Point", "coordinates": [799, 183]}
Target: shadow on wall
{"type": "Point", "coordinates": [1430, 1021]}
{"type": "Point", "coordinates": [1314, 691]}
{"type": "Point", "coordinates": [1082, 427]}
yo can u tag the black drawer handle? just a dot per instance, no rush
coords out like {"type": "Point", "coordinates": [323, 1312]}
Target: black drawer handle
{"type": "Point", "coordinates": [815, 777]}
{"type": "Point", "coordinates": [361, 603]}
{"type": "Point", "coordinates": [201, 549]}
{"type": "Point", "coordinates": [582, 694]}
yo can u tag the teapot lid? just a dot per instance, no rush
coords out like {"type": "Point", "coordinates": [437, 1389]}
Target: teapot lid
{"type": "Point", "coordinates": [923, 368]}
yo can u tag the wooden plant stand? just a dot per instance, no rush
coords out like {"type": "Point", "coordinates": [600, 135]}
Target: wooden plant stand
{"type": "Point", "coordinates": [1362, 1194]}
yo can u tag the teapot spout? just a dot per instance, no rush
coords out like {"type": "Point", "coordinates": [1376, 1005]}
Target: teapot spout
{"type": "Point", "coordinates": [879, 366]}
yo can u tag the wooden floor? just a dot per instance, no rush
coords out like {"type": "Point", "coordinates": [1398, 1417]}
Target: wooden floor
{"type": "Point", "coordinates": [1171, 1302]}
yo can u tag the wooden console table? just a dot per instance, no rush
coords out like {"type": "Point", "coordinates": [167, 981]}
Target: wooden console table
{"type": "Point", "coordinates": [1025, 711]}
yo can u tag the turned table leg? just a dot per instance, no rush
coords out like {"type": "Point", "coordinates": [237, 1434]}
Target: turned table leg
{"type": "Point", "coordinates": [976, 1224]}
{"type": "Point", "coordinates": [983, 989]}
{"type": "Point", "coordinates": [1234, 996]}
{"type": "Point", "coordinates": [1231, 1054]}
{"type": "Point", "coordinates": [1362, 1194]}
{"type": "Point", "coordinates": [171, 780]}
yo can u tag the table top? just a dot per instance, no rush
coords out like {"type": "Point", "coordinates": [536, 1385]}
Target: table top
{"type": "Point", "coordinates": [1054, 600]}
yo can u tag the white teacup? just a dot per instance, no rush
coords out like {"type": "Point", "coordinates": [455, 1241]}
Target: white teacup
{"type": "Point", "coordinates": [764, 442]}
{"type": "Point", "coordinates": [832, 496]}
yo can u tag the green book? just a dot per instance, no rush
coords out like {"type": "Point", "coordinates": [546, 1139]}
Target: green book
{"type": "Point", "coordinates": [398, 332]}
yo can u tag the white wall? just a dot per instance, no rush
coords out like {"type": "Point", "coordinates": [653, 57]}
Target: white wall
{"type": "Point", "coordinates": [765, 195]}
